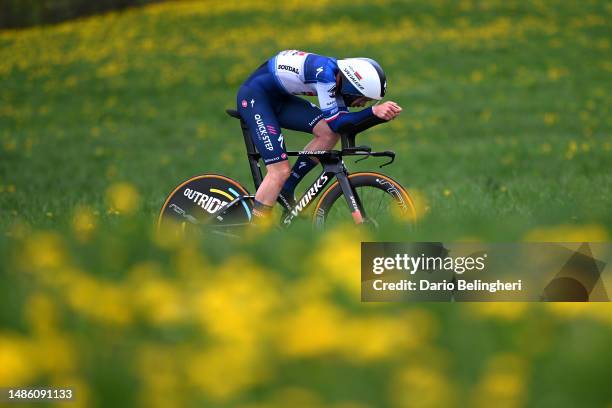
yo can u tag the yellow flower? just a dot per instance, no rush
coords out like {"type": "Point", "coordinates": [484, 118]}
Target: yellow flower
{"type": "Point", "coordinates": [339, 258]}
{"type": "Point", "coordinates": [158, 368]}
{"type": "Point", "coordinates": [550, 118]}
{"type": "Point", "coordinates": [476, 76]}
{"type": "Point", "coordinates": [41, 314]}
{"type": "Point", "coordinates": [555, 73]}
{"type": "Point", "coordinates": [420, 203]}
{"type": "Point", "coordinates": [374, 338]}
{"type": "Point", "coordinates": [17, 367]}
{"type": "Point", "coordinates": [43, 250]}
{"type": "Point", "coordinates": [421, 386]}
{"type": "Point", "coordinates": [104, 302]}
{"type": "Point", "coordinates": [54, 353]}
{"type": "Point", "coordinates": [503, 382]}
{"type": "Point", "coordinates": [485, 116]}
{"type": "Point", "coordinates": [311, 330]}
{"type": "Point", "coordinates": [225, 371]}
{"type": "Point", "coordinates": [499, 310]}
{"type": "Point", "coordinates": [123, 198]}
{"type": "Point", "coordinates": [600, 311]}
{"type": "Point", "coordinates": [236, 303]}
{"type": "Point", "coordinates": [83, 223]}
{"type": "Point", "coordinates": [159, 300]}
{"type": "Point", "coordinates": [572, 147]}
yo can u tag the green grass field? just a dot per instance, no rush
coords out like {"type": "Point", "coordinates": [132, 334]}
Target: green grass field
{"type": "Point", "coordinates": [505, 136]}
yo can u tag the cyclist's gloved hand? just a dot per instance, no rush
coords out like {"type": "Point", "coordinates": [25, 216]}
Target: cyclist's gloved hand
{"type": "Point", "coordinates": [386, 110]}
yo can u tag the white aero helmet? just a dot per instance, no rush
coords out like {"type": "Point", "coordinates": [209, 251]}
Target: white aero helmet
{"type": "Point", "coordinates": [362, 77]}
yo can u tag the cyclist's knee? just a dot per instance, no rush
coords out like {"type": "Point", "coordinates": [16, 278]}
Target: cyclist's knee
{"type": "Point", "coordinates": [279, 172]}
{"type": "Point", "coordinates": [323, 132]}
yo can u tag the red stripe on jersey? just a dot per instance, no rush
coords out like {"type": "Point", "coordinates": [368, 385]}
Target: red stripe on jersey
{"type": "Point", "coordinates": [334, 117]}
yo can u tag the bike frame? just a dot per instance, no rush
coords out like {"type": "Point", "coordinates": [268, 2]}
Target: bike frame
{"type": "Point", "coordinates": [333, 167]}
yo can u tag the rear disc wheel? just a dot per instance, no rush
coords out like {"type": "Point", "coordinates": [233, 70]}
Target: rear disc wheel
{"type": "Point", "coordinates": [197, 201]}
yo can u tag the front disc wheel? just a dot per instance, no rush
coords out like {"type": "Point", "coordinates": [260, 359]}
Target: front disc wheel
{"type": "Point", "coordinates": [383, 200]}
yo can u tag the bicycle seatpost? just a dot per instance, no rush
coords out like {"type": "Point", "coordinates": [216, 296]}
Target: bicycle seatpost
{"type": "Point", "coordinates": [252, 155]}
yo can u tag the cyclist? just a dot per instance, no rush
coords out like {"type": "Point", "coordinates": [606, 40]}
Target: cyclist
{"type": "Point", "coordinates": [266, 101]}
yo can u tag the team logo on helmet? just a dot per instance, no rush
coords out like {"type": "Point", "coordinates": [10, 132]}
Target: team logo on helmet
{"type": "Point", "coordinates": [364, 77]}
{"type": "Point", "coordinates": [244, 103]}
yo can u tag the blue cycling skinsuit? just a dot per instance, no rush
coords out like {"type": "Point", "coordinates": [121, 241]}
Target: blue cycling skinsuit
{"type": "Point", "coordinates": [267, 102]}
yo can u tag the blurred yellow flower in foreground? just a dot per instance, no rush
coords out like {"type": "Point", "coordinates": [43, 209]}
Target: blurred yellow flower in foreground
{"type": "Point", "coordinates": [421, 386]}
{"type": "Point", "coordinates": [158, 368]}
{"type": "Point", "coordinates": [421, 205]}
{"type": "Point", "coordinates": [311, 330]}
{"type": "Point", "coordinates": [226, 370]}
{"type": "Point", "coordinates": [16, 364]}
{"type": "Point", "coordinates": [235, 305]}
{"type": "Point", "coordinates": [83, 223]}
{"type": "Point", "coordinates": [383, 337]}
{"type": "Point", "coordinates": [158, 299]}
{"type": "Point", "coordinates": [54, 353]}
{"type": "Point", "coordinates": [508, 311]}
{"type": "Point", "coordinates": [41, 314]}
{"type": "Point", "coordinates": [102, 301]}
{"type": "Point", "coordinates": [601, 311]}
{"type": "Point", "coordinates": [44, 250]}
{"type": "Point", "coordinates": [503, 383]}
{"type": "Point", "coordinates": [339, 258]}
{"type": "Point", "coordinates": [123, 198]}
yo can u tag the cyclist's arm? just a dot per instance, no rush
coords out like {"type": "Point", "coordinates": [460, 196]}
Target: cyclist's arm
{"type": "Point", "coordinates": [334, 111]}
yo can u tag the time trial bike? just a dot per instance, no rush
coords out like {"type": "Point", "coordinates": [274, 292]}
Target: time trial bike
{"type": "Point", "coordinates": [219, 202]}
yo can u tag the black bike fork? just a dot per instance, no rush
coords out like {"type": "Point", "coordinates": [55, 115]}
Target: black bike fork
{"type": "Point", "coordinates": [352, 198]}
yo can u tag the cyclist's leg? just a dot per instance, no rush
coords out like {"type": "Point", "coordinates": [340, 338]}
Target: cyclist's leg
{"type": "Point", "coordinates": [299, 114]}
{"type": "Point", "coordinates": [257, 110]}
{"type": "Point", "coordinates": [303, 116]}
